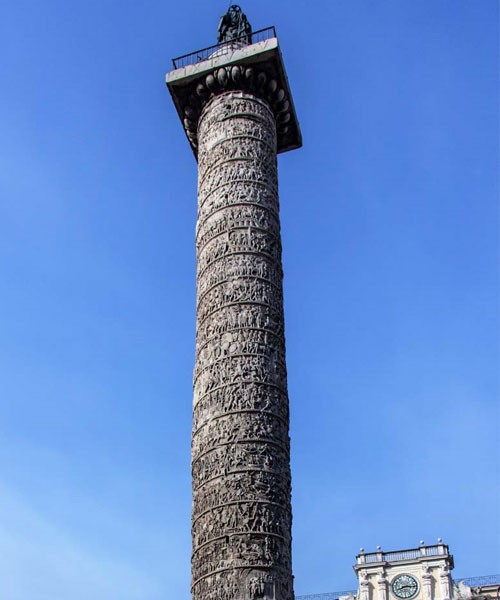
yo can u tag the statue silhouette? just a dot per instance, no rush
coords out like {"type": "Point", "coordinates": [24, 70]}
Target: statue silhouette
{"type": "Point", "coordinates": [234, 25]}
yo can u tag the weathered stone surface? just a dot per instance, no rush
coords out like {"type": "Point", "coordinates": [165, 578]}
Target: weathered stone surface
{"type": "Point", "coordinates": [241, 519]}
{"type": "Point", "coordinates": [257, 69]}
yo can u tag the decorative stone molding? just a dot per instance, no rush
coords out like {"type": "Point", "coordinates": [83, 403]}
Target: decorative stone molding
{"type": "Point", "coordinates": [256, 69]}
{"type": "Point", "coordinates": [232, 78]}
{"type": "Point", "coordinates": [364, 586]}
{"type": "Point", "coordinates": [426, 582]}
{"type": "Point", "coordinates": [381, 585]}
{"type": "Point", "coordinates": [445, 582]}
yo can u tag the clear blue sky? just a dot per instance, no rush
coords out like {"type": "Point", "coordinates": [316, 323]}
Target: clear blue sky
{"type": "Point", "coordinates": [390, 234]}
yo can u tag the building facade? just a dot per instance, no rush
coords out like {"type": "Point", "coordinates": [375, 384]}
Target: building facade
{"type": "Point", "coordinates": [420, 573]}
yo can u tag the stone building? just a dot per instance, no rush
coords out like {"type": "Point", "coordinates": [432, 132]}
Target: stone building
{"type": "Point", "coordinates": [421, 573]}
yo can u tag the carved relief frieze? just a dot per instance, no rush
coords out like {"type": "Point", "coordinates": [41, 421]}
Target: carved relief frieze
{"type": "Point", "coordinates": [236, 194]}
{"type": "Point", "coordinates": [250, 146]}
{"type": "Point", "coordinates": [239, 267]}
{"type": "Point", "coordinates": [243, 316]}
{"type": "Point", "coordinates": [239, 343]}
{"type": "Point", "coordinates": [223, 566]}
{"type": "Point", "coordinates": [236, 171]}
{"type": "Point", "coordinates": [245, 482]}
{"type": "Point", "coordinates": [224, 227]}
{"type": "Point", "coordinates": [244, 456]}
{"type": "Point", "coordinates": [245, 214]}
{"type": "Point", "coordinates": [237, 291]}
{"type": "Point", "coordinates": [236, 80]}
{"type": "Point", "coordinates": [241, 516]}
{"type": "Point", "coordinates": [240, 398]}
{"type": "Point", "coordinates": [224, 429]}
{"type": "Point", "coordinates": [242, 369]}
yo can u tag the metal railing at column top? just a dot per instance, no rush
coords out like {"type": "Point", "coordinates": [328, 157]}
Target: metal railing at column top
{"type": "Point", "coordinates": [205, 53]}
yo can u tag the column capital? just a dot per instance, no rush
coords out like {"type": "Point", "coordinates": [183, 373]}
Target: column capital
{"type": "Point", "coordinates": [257, 69]}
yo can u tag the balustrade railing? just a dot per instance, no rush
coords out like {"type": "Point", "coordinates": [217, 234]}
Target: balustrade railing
{"type": "Point", "coordinates": [224, 47]}
{"type": "Point", "coordinates": [398, 555]}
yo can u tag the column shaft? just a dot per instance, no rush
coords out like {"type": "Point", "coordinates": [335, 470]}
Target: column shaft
{"type": "Point", "coordinates": [241, 518]}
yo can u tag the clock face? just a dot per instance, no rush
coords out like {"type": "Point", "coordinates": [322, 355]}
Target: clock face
{"type": "Point", "coordinates": [404, 586]}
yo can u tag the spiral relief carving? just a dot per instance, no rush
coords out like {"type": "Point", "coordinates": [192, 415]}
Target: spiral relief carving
{"type": "Point", "coordinates": [241, 519]}
{"type": "Point", "coordinates": [254, 80]}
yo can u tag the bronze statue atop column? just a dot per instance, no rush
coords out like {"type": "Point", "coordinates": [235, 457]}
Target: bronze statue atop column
{"type": "Point", "coordinates": [234, 26]}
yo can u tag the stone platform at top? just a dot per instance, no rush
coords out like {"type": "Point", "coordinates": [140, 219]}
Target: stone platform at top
{"type": "Point", "coordinates": [256, 68]}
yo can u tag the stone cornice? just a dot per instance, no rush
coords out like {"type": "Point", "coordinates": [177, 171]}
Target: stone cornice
{"type": "Point", "coordinates": [256, 69]}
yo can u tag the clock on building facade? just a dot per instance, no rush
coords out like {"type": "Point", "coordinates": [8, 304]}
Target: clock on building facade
{"type": "Point", "coordinates": [422, 573]}
{"type": "Point", "coordinates": [405, 586]}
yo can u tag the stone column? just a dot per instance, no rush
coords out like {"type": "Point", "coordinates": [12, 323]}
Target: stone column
{"type": "Point", "coordinates": [237, 112]}
{"type": "Point", "coordinates": [241, 519]}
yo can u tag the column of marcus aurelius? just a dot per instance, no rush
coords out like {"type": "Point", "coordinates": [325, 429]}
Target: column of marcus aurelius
{"type": "Point", "coordinates": [237, 112]}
